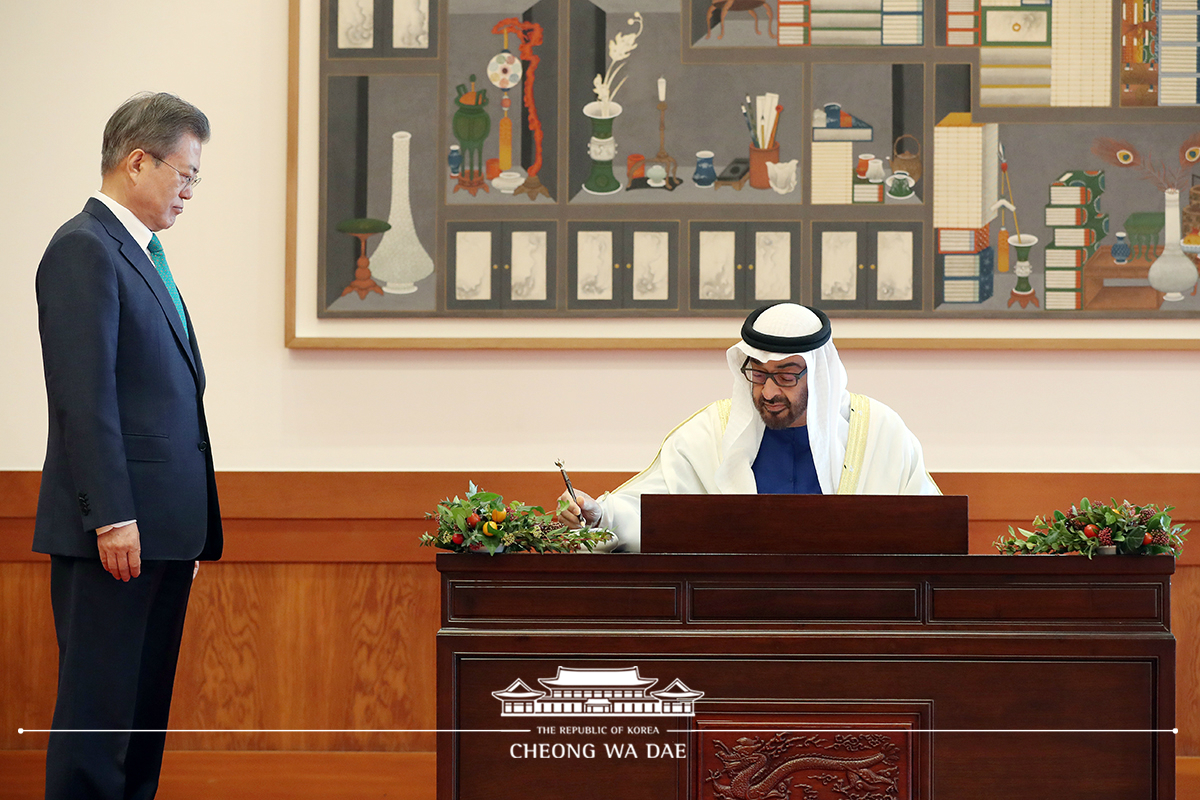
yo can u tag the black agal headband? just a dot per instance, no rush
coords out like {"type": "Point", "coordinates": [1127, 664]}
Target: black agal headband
{"type": "Point", "coordinates": [785, 344]}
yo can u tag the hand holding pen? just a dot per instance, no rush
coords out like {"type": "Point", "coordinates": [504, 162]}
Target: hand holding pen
{"type": "Point", "coordinates": [581, 510]}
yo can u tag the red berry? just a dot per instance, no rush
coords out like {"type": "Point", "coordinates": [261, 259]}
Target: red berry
{"type": "Point", "coordinates": [457, 538]}
{"type": "Point", "coordinates": [472, 520]}
{"type": "Point", "coordinates": [1090, 531]}
{"type": "Point", "coordinates": [1147, 539]}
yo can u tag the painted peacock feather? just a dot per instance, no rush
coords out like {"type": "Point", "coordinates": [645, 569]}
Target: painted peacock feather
{"type": "Point", "coordinates": [1125, 154]}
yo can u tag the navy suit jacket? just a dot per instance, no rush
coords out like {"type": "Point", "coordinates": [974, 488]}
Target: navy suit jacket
{"type": "Point", "coordinates": [125, 386]}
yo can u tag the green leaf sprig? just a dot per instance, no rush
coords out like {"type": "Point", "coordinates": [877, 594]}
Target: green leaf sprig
{"type": "Point", "coordinates": [1086, 527]}
{"type": "Point", "coordinates": [482, 522]}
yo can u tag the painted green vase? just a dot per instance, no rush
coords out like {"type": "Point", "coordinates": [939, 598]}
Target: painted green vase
{"type": "Point", "coordinates": [602, 149]}
{"type": "Point", "coordinates": [1023, 269]}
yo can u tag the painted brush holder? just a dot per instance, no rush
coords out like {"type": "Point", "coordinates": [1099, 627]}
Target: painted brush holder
{"type": "Point", "coordinates": [759, 158]}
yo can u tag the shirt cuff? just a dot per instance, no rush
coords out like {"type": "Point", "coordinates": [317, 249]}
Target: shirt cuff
{"type": "Point", "coordinates": [107, 528]}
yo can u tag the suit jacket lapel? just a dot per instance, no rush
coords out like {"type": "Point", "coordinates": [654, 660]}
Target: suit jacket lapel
{"type": "Point", "coordinates": [139, 261]}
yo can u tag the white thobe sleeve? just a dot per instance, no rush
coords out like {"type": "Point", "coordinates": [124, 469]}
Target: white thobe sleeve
{"type": "Point", "coordinates": [622, 509]}
{"type": "Point", "coordinates": [893, 462]}
{"type": "Point", "coordinates": [686, 464]}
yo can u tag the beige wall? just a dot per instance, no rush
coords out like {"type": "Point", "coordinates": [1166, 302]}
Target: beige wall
{"type": "Point", "coordinates": [66, 65]}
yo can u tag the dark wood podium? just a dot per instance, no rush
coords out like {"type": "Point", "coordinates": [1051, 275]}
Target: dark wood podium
{"type": "Point", "coordinates": [664, 677]}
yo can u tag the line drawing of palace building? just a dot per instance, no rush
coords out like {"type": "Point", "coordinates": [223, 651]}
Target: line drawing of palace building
{"type": "Point", "coordinates": [602, 692]}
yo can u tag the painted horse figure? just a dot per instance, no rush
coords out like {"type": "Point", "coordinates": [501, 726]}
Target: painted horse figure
{"type": "Point", "coordinates": [719, 9]}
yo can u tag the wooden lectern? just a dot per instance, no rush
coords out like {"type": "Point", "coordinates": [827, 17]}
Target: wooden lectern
{"type": "Point", "coordinates": [805, 677]}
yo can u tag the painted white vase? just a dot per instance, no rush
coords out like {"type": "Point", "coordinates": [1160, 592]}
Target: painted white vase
{"type": "Point", "coordinates": [400, 259]}
{"type": "Point", "coordinates": [1172, 273]}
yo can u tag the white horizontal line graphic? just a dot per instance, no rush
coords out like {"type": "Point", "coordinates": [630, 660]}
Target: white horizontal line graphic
{"type": "Point", "coordinates": [873, 729]}
{"type": "Point", "coordinates": [272, 730]}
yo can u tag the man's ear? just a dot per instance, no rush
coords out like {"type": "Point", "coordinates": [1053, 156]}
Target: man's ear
{"type": "Point", "coordinates": [136, 161]}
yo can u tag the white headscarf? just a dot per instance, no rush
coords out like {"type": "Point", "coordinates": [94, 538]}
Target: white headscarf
{"type": "Point", "coordinates": [828, 399]}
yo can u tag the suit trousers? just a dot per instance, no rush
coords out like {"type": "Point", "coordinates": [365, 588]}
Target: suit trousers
{"type": "Point", "coordinates": [118, 645]}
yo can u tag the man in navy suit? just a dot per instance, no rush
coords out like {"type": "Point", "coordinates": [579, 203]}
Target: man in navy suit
{"type": "Point", "coordinates": [128, 501]}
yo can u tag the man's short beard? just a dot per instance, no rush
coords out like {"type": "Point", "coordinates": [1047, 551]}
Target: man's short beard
{"type": "Point", "coordinates": [778, 423]}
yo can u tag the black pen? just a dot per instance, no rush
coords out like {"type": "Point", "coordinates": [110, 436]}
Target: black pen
{"type": "Point", "coordinates": [570, 489]}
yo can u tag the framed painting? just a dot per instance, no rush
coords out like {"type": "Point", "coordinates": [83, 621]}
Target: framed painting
{"type": "Point", "coordinates": [611, 174]}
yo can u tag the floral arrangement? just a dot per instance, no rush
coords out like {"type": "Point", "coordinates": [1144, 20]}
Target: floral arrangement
{"type": "Point", "coordinates": [481, 522]}
{"type": "Point", "coordinates": [1126, 528]}
{"type": "Point", "coordinates": [619, 49]}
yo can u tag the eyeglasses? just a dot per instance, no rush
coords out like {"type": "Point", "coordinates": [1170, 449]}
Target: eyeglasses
{"type": "Point", "coordinates": [784, 380]}
{"type": "Point", "coordinates": [188, 180]}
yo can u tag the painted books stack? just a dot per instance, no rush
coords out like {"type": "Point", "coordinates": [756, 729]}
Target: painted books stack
{"type": "Point", "coordinates": [1191, 212]}
{"type": "Point", "coordinates": [861, 23]}
{"type": "Point", "coordinates": [1179, 42]}
{"type": "Point", "coordinates": [902, 22]}
{"type": "Point", "coordinates": [1015, 53]}
{"type": "Point", "coordinates": [966, 181]}
{"type": "Point", "coordinates": [832, 124]}
{"type": "Point", "coordinates": [1033, 53]}
{"type": "Point", "coordinates": [793, 23]}
{"type": "Point", "coordinates": [832, 173]}
{"type": "Point", "coordinates": [1074, 215]}
{"type": "Point", "coordinates": [1080, 67]}
{"type": "Point", "coordinates": [1139, 53]}
{"type": "Point", "coordinates": [865, 191]}
{"type": "Point", "coordinates": [965, 264]}
{"type": "Point", "coordinates": [965, 190]}
{"type": "Point", "coordinates": [962, 23]}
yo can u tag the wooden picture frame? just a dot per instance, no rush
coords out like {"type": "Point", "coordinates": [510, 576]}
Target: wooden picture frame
{"type": "Point", "coordinates": [682, 319]}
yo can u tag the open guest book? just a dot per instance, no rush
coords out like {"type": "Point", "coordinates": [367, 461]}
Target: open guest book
{"type": "Point", "coordinates": [805, 524]}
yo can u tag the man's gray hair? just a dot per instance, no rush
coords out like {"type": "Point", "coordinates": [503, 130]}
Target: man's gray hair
{"type": "Point", "coordinates": [153, 122]}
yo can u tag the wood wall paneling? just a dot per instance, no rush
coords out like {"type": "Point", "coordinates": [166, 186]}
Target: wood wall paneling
{"type": "Point", "coordinates": [999, 498]}
{"type": "Point", "coordinates": [323, 614]}
{"type": "Point", "coordinates": [28, 654]}
{"type": "Point", "coordinates": [206, 775]}
{"type": "Point", "coordinates": [267, 646]}
{"type": "Point", "coordinates": [342, 647]}
{"type": "Point", "coordinates": [1185, 623]}
{"type": "Point", "coordinates": [278, 775]}
{"type": "Point", "coordinates": [372, 517]}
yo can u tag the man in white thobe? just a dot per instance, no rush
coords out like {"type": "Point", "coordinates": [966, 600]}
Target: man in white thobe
{"type": "Point", "coordinates": [790, 426]}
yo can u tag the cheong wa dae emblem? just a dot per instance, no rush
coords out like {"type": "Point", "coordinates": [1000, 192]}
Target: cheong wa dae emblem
{"type": "Point", "coordinates": [604, 692]}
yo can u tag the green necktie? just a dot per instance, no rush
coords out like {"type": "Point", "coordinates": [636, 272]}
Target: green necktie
{"type": "Point", "coordinates": [160, 263]}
